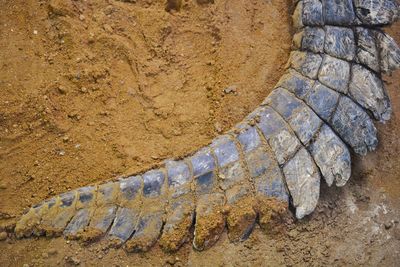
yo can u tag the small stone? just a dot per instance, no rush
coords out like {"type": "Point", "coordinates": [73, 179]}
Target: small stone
{"type": "Point", "coordinates": [61, 90]}
{"type": "Point", "coordinates": [211, 63]}
{"type": "Point", "coordinates": [108, 28]}
{"type": "Point", "coordinates": [388, 225]}
{"type": "Point", "coordinates": [35, 32]}
{"type": "Point", "coordinates": [25, 265]}
{"type": "Point", "coordinates": [52, 251]}
{"type": "Point", "coordinates": [293, 234]}
{"type": "Point", "coordinates": [202, 2]}
{"type": "Point", "coordinates": [109, 9]}
{"type": "Point", "coordinates": [231, 90]}
{"type": "Point", "coordinates": [3, 236]}
{"type": "Point", "coordinates": [91, 39]}
{"type": "Point", "coordinates": [3, 186]}
{"type": "Point", "coordinates": [171, 261]}
{"type": "Point", "coordinates": [72, 260]}
{"type": "Point", "coordinates": [81, 17]}
{"type": "Point", "coordinates": [61, 8]}
{"type": "Point", "coordinates": [45, 255]}
{"type": "Point", "coordinates": [173, 5]}
{"type": "Point", "coordinates": [218, 127]}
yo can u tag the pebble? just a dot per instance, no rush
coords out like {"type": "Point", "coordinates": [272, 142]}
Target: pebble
{"type": "Point", "coordinates": [171, 260]}
{"type": "Point", "coordinates": [108, 28]}
{"type": "Point", "coordinates": [91, 39]}
{"type": "Point", "coordinates": [218, 127]}
{"type": "Point", "coordinates": [293, 234]}
{"type": "Point", "coordinates": [61, 90]}
{"type": "Point", "coordinates": [3, 236]}
{"type": "Point", "coordinates": [108, 10]}
{"type": "Point", "coordinates": [203, 2]}
{"type": "Point", "coordinates": [174, 5]}
{"type": "Point", "coordinates": [230, 90]}
{"type": "Point", "coordinates": [72, 260]}
{"type": "Point", "coordinates": [388, 225]}
{"type": "Point", "coordinates": [211, 62]}
{"type": "Point", "coordinates": [52, 251]}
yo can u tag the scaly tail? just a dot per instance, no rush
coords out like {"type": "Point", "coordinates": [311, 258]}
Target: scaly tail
{"type": "Point", "coordinates": [323, 105]}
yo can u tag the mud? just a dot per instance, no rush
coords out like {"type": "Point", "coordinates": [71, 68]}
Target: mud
{"type": "Point", "coordinates": [240, 219]}
{"type": "Point", "coordinates": [274, 216]}
{"type": "Point", "coordinates": [173, 238]}
{"type": "Point", "coordinates": [93, 90]}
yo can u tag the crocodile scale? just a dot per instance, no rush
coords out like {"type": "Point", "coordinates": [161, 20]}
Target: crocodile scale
{"type": "Point", "coordinates": [322, 109]}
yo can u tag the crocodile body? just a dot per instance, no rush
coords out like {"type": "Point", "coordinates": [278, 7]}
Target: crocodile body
{"type": "Point", "coordinates": [302, 135]}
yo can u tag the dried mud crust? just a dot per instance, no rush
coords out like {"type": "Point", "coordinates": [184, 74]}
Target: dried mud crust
{"type": "Point", "coordinates": [274, 215]}
{"type": "Point", "coordinates": [209, 228]}
{"type": "Point", "coordinates": [174, 239]}
{"type": "Point", "coordinates": [89, 235]}
{"type": "Point", "coordinates": [240, 219]}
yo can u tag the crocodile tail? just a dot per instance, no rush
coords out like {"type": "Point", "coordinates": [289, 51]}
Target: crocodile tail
{"type": "Point", "coordinates": [322, 108]}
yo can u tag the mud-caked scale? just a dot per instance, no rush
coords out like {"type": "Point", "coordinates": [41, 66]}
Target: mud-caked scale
{"type": "Point", "coordinates": [302, 135]}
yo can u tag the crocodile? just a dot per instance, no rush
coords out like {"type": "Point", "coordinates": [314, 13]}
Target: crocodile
{"type": "Point", "coordinates": [270, 166]}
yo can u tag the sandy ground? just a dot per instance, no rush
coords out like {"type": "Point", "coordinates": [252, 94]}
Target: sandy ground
{"type": "Point", "coordinates": [95, 89]}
